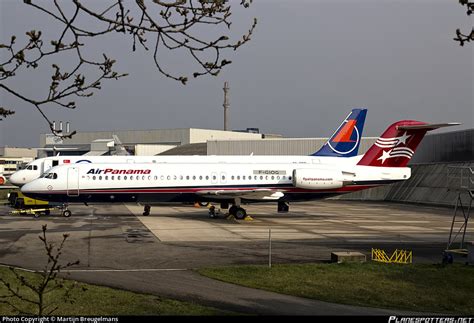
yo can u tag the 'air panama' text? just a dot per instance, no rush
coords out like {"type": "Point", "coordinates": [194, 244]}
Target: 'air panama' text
{"type": "Point", "coordinates": [119, 171]}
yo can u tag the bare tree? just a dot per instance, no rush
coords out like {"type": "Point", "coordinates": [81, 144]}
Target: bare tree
{"type": "Point", "coordinates": [155, 25]}
{"type": "Point", "coordinates": [20, 291]}
{"type": "Point", "coordinates": [460, 37]}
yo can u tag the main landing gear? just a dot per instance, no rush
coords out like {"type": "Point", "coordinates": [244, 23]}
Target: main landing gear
{"type": "Point", "coordinates": [237, 211]}
{"type": "Point", "coordinates": [146, 210]}
{"type": "Point", "coordinates": [283, 207]}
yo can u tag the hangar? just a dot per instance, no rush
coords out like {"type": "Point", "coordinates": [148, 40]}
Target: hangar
{"type": "Point", "coordinates": [184, 141]}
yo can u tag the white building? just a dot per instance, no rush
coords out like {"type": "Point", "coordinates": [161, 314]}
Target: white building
{"type": "Point", "coordinates": [11, 158]}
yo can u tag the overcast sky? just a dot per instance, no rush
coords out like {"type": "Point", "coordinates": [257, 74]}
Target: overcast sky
{"type": "Point", "coordinates": [309, 63]}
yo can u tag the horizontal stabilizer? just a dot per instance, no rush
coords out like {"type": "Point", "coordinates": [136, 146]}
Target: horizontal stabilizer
{"type": "Point", "coordinates": [428, 126]}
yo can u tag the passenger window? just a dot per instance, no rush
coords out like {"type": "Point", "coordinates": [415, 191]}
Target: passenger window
{"type": "Point", "coordinates": [125, 177]}
{"type": "Point", "coordinates": [261, 177]}
{"type": "Point", "coordinates": [93, 177]}
{"type": "Point", "coordinates": [278, 177]}
{"type": "Point", "coordinates": [143, 177]}
{"type": "Point", "coordinates": [273, 177]}
{"type": "Point", "coordinates": [149, 177]}
{"type": "Point", "coordinates": [207, 178]}
{"type": "Point", "coordinates": [200, 177]}
{"type": "Point", "coordinates": [118, 177]}
{"type": "Point", "coordinates": [181, 177]}
{"type": "Point", "coordinates": [106, 177]}
{"type": "Point", "coordinates": [238, 177]}
{"type": "Point", "coordinates": [138, 177]}
{"type": "Point", "coordinates": [131, 177]}
{"type": "Point", "coordinates": [187, 177]}
{"type": "Point", "coordinates": [243, 177]}
{"type": "Point", "coordinates": [162, 177]}
{"type": "Point", "coordinates": [156, 177]}
{"type": "Point", "coordinates": [111, 177]}
{"type": "Point", "coordinates": [168, 177]}
{"type": "Point", "coordinates": [232, 177]}
{"type": "Point", "coordinates": [100, 178]}
{"type": "Point", "coordinates": [223, 177]}
{"type": "Point", "coordinates": [214, 177]}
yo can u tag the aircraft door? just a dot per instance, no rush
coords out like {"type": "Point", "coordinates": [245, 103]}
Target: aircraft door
{"type": "Point", "coordinates": [73, 181]}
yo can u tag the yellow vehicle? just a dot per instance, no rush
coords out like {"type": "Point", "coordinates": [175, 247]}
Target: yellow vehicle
{"type": "Point", "coordinates": [19, 201]}
{"type": "Point", "coordinates": [26, 205]}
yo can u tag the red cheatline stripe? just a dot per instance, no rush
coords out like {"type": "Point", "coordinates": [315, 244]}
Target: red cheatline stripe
{"type": "Point", "coordinates": [194, 190]}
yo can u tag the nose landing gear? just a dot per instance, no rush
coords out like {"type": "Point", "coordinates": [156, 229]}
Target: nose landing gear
{"type": "Point", "coordinates": [65, 212]}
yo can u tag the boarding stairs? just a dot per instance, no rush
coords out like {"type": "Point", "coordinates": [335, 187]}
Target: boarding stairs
{"type": "Point", "coordinates": [461, 180]}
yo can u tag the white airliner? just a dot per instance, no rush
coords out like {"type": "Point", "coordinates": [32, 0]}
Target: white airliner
{"type": "Point", "coordinates": [279, 180]}
{"type": "Point", "coordinates": [346, 137]}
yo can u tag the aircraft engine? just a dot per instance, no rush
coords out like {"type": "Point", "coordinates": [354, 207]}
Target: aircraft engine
{"type": "Point", "coordinates": [317, 178]}
{"type": "Point", "coordinates": [2, 180]}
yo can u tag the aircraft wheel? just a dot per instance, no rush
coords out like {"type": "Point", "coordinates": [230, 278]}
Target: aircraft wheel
{"type": "Point", "coordinates": [212, 211]}
{"type": "Point", "coordinates": [67, 213]}
{"type": "Point", "coordinates": [232, 210]}
{"type": "Point", "coordinates": [240, 213]}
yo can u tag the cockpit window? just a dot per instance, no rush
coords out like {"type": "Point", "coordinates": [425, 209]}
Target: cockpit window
{"type": "Point", "coordinates": [51, 175]}
{"type": "Point", "coordinates": [30, 167]}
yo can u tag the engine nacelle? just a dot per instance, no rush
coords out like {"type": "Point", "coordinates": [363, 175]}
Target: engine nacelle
{"type": "Point", "coordinates": [2, 180]}
{"type": "Point", "coordinates": [317, 178]}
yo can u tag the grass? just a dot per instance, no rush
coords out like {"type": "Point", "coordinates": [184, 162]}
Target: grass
{"type": "Point", "coordinates": [419, 287]}
{"type": "Point", "coordinates": [97, 300]}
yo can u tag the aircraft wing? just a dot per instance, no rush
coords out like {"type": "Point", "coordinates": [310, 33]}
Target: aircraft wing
{"type": "Point", "coordinates": [251, 194]}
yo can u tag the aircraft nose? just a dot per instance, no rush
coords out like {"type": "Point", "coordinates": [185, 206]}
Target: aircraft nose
{"type": "Point", "coordinates": [27, 188]}
{"type": "Point", "coordinates": [15, 179]}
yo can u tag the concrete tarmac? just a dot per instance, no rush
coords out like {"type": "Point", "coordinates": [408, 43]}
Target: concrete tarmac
{"type": "Point", "coordinates": [155, 254]}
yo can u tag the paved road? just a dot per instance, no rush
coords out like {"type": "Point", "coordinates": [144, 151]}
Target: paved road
{"type": "Point", "coordinates": [111, 237]}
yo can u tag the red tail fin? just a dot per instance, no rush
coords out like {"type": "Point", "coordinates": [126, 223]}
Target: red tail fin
{"type": "Point", "coordinates": [397, 144]}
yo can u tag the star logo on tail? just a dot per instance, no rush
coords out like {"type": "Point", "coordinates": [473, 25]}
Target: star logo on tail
{"type": "Point", "coordinates": [392, 142]}
{"type": "Point", "coordinates": [396, 152]}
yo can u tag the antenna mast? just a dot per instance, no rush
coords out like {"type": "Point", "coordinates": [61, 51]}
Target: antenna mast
{"type": "Point", "coordinates": [226, 106]}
